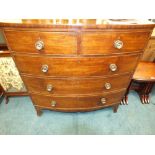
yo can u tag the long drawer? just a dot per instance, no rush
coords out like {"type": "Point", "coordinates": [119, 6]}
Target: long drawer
{"type": "Point", "coordinates": [76, 85]}
{"type": "Point", "coordinates": [46, 42]}
{"type": "Point", "coordinates": [113, 42]}
{"type": "Point", "coordinates": [76, 66]}
{"type": "Point", "coordinates": [77, 102]}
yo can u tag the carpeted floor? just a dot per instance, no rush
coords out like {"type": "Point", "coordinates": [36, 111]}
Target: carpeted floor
{"type": "Point", "coordinates": [19, 117]}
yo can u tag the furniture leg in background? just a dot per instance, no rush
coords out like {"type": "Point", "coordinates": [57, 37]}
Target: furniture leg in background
{"type": "Point", "coordinates": [125, 98]}
{"type": "Point", "coordinates": [144, 92]}
{"type": "Point", "coordinates": [1, 94]}
{"type": "Point", "coordinates": [142, 82]}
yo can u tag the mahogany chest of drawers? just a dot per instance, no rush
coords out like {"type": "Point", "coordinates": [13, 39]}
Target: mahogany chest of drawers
{"type": "Point", "coordinates": [76, 67]}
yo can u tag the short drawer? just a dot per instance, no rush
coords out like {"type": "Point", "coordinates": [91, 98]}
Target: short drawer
{"type": "Point", "coordinates": [77, 102]}
{"type": "Point", "coordinates": [76, 85]}
{"type": "Point", "coordinates": [113, 42]}
{"type": "Point", "coordinates": [76, 66]}
{"type": "Point", "coordinates": [38, 42]}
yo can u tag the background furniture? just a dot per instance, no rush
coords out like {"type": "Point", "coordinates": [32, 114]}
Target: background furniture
{"type": "Point", "coordinates": [4, 92]}
{"type": "Point", "coordinates": [11, 91]}
{"type": "Point", "coordinates": [149, 53]}
{"type": "Point", "coordinates": [144, 87]}
{"type": "Point", "coordinates": [142, 82]}
{"type": "Point", "coordinates": [77, 67]}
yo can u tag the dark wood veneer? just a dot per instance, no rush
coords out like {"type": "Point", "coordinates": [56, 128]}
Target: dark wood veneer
{"type": "Point", "coordinates": [72, 103]}
{"type": "Point", "coordinates": [55, 42]}
{"type": "Point", "coordinates": [67, 86]}
{"type": "Point", "coordinates": [78, 59]}
{"type": "Point", "coordinates": [103, 42]}
{"type": "Point", "coordinates": [76, 66]}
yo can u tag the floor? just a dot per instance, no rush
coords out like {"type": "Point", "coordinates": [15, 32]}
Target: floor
{"type": "Point", "coordinates": [19, 118]}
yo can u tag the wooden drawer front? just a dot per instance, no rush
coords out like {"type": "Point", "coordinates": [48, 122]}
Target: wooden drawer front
{"type": "Point", "coordinates": [103, 42]}
{"type": "Point", "coordinates": [54, 42]}
{"type": "Point", "coordinates": [84, 66]}
{"type": "Point", "coordinates": [77, 102]}
{"type": "Point", "coordinates": [76, 86]}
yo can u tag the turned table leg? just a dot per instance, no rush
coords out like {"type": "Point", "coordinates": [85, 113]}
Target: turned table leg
{"type": "Point", "coordinates": [145, 91]}
{"type": "Point", "coordinates": [38, 110]}
{"type": "Point", "coordinates": [124, 101]}
{"type": "Point", "coordinates": [115, 108]}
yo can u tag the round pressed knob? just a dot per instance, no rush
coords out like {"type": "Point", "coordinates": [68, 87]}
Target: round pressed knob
{"type": "Point", "coordinates": [53, 103]}
{"type": "Point", "coordinates": [39, 45]}
{"type": "Point", "coordinates": [107, 85]}
{"type": "Point", "coordinates": [44, 68]}
{"type": "Point", "coordinates": [49, 87]}
{"type": "Point", "coordinates": [113, 67]}
{"type": "Point", "coordinates": [103, 100]}
{"type": "Point", "coordinates": [118, 44]}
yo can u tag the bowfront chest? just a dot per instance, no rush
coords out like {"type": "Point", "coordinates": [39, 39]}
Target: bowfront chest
{"type": "Point", "coordinates": [71, 68]}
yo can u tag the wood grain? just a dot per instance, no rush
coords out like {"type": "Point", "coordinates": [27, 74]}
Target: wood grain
{"type": "Point", "coordinates": [103, 42]}
{"type": "Point", "coordinates": [77, 102]}
{"type": "Point", "coordinates": [135, 24]}
{"type": "Point", "coordinates": [145, 71]}
{"type": "Point", "coordinates": [77, 66]}
{"type": "Point", "coordinates": [78, 59]}
{"type": "Point", "coordinates": [55, 42]}
{"type": "Point", "coordinates": [65, 86]}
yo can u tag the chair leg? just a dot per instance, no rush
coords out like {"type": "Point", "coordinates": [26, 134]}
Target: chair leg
{"type": "Point", "coordinates": [2, 93]}
{"type": "Point", "coordinates": [6, 99]}
{"type": "Point", "coordinates": [1, 97]}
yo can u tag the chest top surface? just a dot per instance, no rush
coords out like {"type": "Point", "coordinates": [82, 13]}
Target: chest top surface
{"type": "Point", "coordinates": [77, 23]}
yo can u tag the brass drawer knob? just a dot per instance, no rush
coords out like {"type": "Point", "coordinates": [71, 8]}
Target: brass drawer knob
{"type": "Point", "coordinates": [44, 68]}
{"type": "Point", "coordinates": [39, 45]}
{"type": "Point", "coordinates": [118, 44]}
{"type": "Point", "coordinates": [107, 85]}
{"type": "Point", "coordinates": [49, 87]}
{"type": "Point", "coordinates": [113, 67]}
{"type": "Point", "coordinates": [53, 103]}
{"type": "Point", "coordinates": [103, 100]}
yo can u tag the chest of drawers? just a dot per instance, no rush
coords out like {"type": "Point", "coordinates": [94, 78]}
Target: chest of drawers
{"type": "Point", "coordinates": [74, 68]}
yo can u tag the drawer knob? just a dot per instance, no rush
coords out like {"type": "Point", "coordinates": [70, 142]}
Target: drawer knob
{"type": "Point", "coordinates": [107, 85]}
{"type": "Point", "coordinates": [103, 100]}
{"type": "Point", "coordinates": [53, 103]}
{"type": "Point", "coordinates": [49, 87]}
{"type": "Point", "coordinates": [118, 44]}
{"type": "Point", "coordinates": [39, 45]}
{"type": "Point", "coordinates": [44, 68]}
{"type": "Point", "coordinates": [113, 67]}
